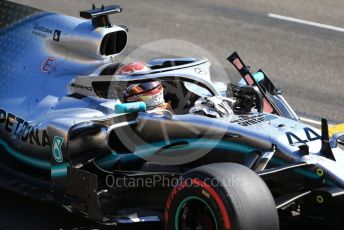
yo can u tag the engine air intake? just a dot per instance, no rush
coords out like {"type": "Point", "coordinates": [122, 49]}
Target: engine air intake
{"type": "Point", "coordinates": [113, 43]}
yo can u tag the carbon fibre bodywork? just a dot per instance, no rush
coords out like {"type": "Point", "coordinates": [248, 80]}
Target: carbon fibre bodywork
{"type": "Point", "coordinates": [60, 129]}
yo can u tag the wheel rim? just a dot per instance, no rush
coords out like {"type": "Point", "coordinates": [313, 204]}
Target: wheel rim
{"type": "Point", "coordinates": [193, 213]}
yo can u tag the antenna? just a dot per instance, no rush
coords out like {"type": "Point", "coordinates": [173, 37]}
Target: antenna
{"type": "Point", "coordinates": [100, 16]}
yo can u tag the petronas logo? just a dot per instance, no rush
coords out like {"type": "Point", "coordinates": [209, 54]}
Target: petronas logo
{"type": "Point", "coordinates": [57, 152]}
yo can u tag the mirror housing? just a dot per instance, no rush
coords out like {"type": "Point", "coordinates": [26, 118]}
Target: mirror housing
{"type": "Point", "coordinates": [336, 138]}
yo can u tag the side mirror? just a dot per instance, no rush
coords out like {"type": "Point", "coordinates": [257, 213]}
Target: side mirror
{"type": "Point", "coordinates": [340, 140]}
{"type": "Point", "coordinates": [337, 138]}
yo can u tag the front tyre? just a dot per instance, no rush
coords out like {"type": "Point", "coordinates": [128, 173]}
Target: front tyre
{"type": "Point", "coordinates": [221, 196]}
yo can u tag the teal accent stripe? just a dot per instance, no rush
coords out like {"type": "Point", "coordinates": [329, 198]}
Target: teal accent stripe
{"type": "Point", "coordinates": [42, 164]}
{"type": "Point", "coordinates": [227, 145]}
{"type": "Point", "coordinates": [59, 170]}
{"type": "Point", "coordinates": [107, 161]}
{"type": "Point", "coordinates": [146, 150]}
{"type": "Point", "coordinates": [182, 204]}
{"type": "Point", "coordinates": [304, 172]}
{"type": "Point", "coordinates": [150, 149]}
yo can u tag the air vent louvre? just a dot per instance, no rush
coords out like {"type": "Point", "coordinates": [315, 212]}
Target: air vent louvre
{"type": "Point", "coordinates": [245, 120]}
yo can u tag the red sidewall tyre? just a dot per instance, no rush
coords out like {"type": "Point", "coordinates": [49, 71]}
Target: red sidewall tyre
{"type": "Point", "coordinates": [245, 204]}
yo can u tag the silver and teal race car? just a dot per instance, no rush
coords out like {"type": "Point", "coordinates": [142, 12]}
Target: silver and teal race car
{"type": "Point", "coordinates": [67, 136]}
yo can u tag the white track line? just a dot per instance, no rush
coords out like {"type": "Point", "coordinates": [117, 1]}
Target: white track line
{"type": "Point", "coordinates": [313, 121]}
{"type": "Point", "coordinates": [310, 121]}
{"type": "Point", "coordinates": [316, 24]}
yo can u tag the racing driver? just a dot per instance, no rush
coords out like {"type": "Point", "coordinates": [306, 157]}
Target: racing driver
{"type": "Point", "coordinates": [152, 93]}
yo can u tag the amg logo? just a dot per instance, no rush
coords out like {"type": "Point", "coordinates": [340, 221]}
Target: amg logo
{"type": "Point", "coordinates": [18, 127]}
{"type": "Point", "coordinates": [81, 87]}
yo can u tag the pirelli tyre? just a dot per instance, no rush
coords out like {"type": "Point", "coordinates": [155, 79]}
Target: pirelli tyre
{"type": "Point", "coordinates": [221, 196]}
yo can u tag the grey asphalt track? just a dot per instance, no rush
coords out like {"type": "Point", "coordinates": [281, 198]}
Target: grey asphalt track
{"type": "Point", "coordinates": [305, 61]}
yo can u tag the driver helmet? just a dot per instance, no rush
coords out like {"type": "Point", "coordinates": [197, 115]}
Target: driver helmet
{"type": "Point", "coordinates": [151, 93]}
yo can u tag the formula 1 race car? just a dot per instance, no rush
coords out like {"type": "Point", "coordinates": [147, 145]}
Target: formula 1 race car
{"type": "Point", "coordinates": [67, 136]}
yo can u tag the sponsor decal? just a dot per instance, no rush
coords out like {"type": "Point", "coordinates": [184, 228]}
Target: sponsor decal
{"type": "Point", "coordinates": [88, 88]}
{"type": "Point", "coordinates": [48, 65]}
{"type": "Point", "coordinates": [41, 31]}
{"type": "Point", "coordinates": [56, 148]}
{"type": "Point", "coordinates": [310, 134]}
{"type": "Point", "coordinates": [56, 36]}
{"type": "Point", "coordinates": [21, 129]}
